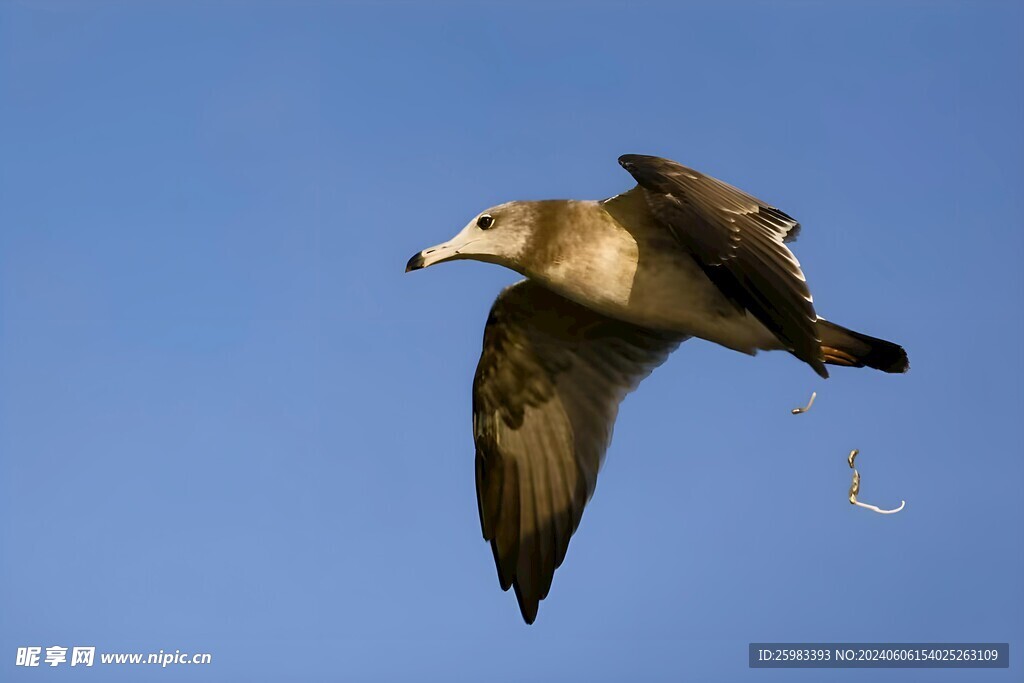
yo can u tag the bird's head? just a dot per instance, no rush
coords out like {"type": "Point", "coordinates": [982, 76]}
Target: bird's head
{"type": "Point", "coordinates": [498, 235]}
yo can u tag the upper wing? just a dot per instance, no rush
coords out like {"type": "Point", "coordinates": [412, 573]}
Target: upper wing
{"type": "Point", "coordinates": [545, 396]}
{"type": "Point", "coordinates": [738, 241]}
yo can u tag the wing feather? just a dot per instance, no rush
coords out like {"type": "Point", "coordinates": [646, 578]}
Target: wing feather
{"type": "Point", "coordinates": [740, 242]}
{"type": "Point", "coordinates": [546, 393]}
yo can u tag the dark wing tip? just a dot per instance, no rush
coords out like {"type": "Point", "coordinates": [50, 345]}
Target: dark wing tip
{"type": "Point", "coordinates": [528, 605]}
{"type": "Point", "coordinates": [628, 160]}
{"type": "Point", "coordinates": [503, 580]}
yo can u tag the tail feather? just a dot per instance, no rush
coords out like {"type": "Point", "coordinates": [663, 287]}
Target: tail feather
{"type": "Point", "coordinates": [841, 346]}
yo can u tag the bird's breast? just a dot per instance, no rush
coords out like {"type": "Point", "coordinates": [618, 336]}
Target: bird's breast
{"type": "Point", "coordinates": [634, 270]}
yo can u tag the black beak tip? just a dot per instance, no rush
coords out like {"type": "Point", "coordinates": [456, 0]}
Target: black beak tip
{"type": "Point", "coordinates": [415, 263]}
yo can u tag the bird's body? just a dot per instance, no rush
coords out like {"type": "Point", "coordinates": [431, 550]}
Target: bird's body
{"type": "Point", "coordinates": [612, 288]}
{"type": "Point", "coordinates": [625, 265]}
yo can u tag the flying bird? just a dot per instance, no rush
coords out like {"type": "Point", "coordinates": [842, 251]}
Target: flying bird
{"type": "Point", "coordinates": [612, 288]}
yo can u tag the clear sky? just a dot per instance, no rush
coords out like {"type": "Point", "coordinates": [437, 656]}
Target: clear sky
{"type": "Point", "coordinates": [230, 423]}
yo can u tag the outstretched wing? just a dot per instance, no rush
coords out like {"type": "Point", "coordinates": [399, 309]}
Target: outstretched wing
{"type": "Point", "coordinates": [738, 240]}
{"type": "Point", "coordinates": [545, 397]}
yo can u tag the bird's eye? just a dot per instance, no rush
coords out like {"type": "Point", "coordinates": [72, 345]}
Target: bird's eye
{"type": "Point", "coordinates": [484, 222]}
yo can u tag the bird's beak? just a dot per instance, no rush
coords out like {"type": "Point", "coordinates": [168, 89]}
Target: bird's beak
{"type": "Point", "coordinates": [416, 262]}
{"type": "Point", "coordinates": [447, 251]}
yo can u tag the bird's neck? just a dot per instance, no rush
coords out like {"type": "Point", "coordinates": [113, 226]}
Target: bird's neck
{"type": "Point", "coordinates": [580, 251]}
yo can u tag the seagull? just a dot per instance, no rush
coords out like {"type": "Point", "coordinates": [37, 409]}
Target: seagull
{"type": "Point", "coordinates": [612, 288]}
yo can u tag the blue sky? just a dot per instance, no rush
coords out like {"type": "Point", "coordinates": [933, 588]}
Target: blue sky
{"type": "Point", "coordinates": [230, 423]}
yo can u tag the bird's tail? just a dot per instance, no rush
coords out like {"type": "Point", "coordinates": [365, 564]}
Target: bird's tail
{"type": "Point", "coordinates": [841, 346]}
